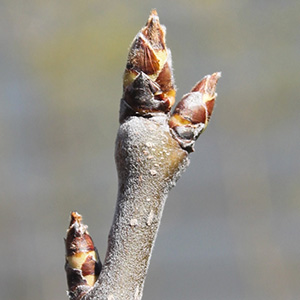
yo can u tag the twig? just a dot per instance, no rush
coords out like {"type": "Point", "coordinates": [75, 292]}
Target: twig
{"type": "Point", "coordinates": [151, 153]}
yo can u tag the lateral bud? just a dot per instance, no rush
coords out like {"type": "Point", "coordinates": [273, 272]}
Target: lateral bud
{"type": "Point", "coordinates": [192, 114]}
{"type": "Point", "coordinates": [83, 265]}
{"type": "Point", "coordinates": [148, 73]}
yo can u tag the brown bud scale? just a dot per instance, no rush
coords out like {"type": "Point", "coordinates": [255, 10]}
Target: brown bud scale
{"type": "Point", "coordinates": [191, 115]}
{"type": "Point", "coordinates": [149, 65]}
{"type": "Point", "coordinates": [82, 260]}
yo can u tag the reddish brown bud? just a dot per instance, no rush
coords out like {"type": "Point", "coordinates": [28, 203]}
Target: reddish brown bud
{"type": "Point", "coordinates": [155, 32]}
{"type": "Point", "coordinates": [191, 116]}
{"type": "Point", "coordinates": [149, 60]}
{"type": "Point", "coordinates": [82, 260]}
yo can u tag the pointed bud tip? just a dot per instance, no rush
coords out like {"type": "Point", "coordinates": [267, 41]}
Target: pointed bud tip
{"type": "Point", "coordinates": [217, 75]}
{"type": "Point", "coordinates": [213, 80]}
{"type": "Point", "coordinates": [153, 12]}
{"type": "Point", "coordinates": [75, 218]}
{"type": "Point", "coordinates": [153, 17]}
{"type": "Point", "coordinates": [211, 84]}
{"type": "Point", "coordinates": [207, 84]}
{"type": "Point", "coordinates": [76, 226]}
{"type": "Point", "coordinates": [154, 32]}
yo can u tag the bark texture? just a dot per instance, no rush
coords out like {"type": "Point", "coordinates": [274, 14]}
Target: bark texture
{"type": "Point", "coordinates": [149, 161]}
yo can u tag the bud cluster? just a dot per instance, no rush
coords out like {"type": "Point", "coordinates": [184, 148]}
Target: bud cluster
{"type": "Point", "coordinates": [149, 88]}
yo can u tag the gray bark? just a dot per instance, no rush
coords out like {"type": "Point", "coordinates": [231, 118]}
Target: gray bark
{"type": "Point", "coordinates": [149, 161]}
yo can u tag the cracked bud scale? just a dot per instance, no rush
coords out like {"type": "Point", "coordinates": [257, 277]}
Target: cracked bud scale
{"type": "Point", "coordinates": [148, 83]}
{"type": "Point", "coordinates": [82, 260]}
{"type": "Point", "coordinates": [191, 116]}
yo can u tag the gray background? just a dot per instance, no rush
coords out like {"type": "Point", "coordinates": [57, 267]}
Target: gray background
{"type": "Point", "coordinates": [230, 229]}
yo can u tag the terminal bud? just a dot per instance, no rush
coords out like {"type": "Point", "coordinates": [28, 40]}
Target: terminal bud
{"type": "Point", "coordinates": [148, 73]}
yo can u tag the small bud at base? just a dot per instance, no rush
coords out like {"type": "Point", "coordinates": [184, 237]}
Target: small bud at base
{"type": "Point", "coordinates": [83, 265]}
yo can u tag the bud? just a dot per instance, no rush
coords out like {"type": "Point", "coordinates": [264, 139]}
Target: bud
{"type": "Point", "coordinates": [191, 116]}
{"type": "Point", "coordinates": [83, 265]}
{"type": "Point", "coordinates": [148, 73]}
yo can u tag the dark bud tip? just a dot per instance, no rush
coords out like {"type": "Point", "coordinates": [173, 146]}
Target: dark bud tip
{"type": "Point", "coordinates": [140, 96]}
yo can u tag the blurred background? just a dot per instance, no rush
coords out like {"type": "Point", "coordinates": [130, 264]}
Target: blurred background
{"type": "Point", "coordinates": [230, 229]}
